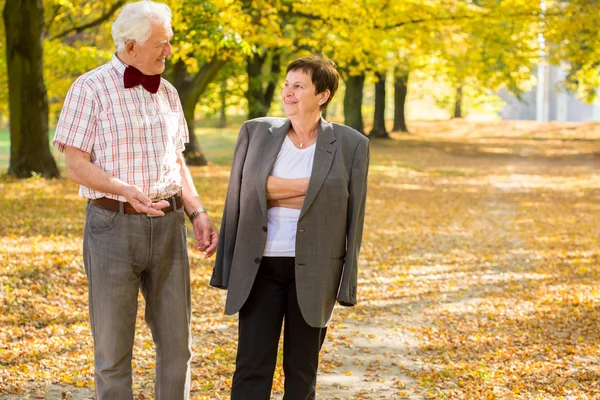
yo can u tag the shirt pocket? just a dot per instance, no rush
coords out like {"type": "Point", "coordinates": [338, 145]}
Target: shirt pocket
{"type": "Point", "coordinates": [163, 130]}
{"type": "Point", "coordinates": [171, 127]}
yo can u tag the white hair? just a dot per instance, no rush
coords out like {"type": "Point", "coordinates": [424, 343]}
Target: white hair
{"type": "Point", "coordinates": [135, 22]}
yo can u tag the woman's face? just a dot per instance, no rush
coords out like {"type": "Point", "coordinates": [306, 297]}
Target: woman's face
{"type": "Point", "coordinates": [299, 95]}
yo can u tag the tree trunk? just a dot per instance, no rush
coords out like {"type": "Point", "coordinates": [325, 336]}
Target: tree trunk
{"type": "Point", "coordinates": [458, 103]}
{"type": "Point", "coordinates": [223, 114]}
{"type": "Point", "coordinates": [353, 102]}
{"type": "Point", "coordinates": [273, 80]}
{"type": "Point", "coordinates": [190, 89]}
{"type": "Point", "coordinates": [254, 94]}
{"type": "Point", "coordinates": [28, 100]}
{"type": "Point", "coordinates": [260, 97]}
{"type": "Point", "coordinates": [400, 93]}
{"type": "Point", "coordinates": [379, 131]}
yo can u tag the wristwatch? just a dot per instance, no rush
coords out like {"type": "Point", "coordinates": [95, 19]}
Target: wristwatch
{"type": "Point", "coordinates": [193, 215]}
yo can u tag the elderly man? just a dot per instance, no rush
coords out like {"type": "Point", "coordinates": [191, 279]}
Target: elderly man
{"type": "Point", "coordinates": [122, 131]}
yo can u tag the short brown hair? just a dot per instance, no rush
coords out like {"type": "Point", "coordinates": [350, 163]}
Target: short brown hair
{"type": "Point", "coordinates": [322, 71]}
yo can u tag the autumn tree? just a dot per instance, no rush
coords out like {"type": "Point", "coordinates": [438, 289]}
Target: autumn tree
{"type": "Point", "coordinates": [28, 102]}
{"type": "Point", "coordinates": [26, 30]}
{"type": "Point", "coordinates": [281, 31]}
{"type": "Point", "coordinates": [494, 47]}
{"type": "Point", "coordinates": [401, 76]}
{"type": "Point", "coordinates": [384, 62]}
{"type": "Point", "coordinates": [206, 39]}
{"type": "Point", "coordinates": [3, 73]}
{"type": "Point", "coordinates": [379, 129]}
{"type": "Point", "coordinates": [226, 92]}
{"type": "Point", "coordinates": [361, 38]}
{"type": "Point", "coordinates": [572, 32]}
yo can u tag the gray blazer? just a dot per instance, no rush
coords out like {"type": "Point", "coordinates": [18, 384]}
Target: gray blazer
{"type": "Point", "coordinates": [329, 227]}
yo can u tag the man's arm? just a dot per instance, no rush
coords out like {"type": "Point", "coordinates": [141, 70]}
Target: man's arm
{"type": "Point", "coordinates": [281, 188]}
{"type": "Point", "coordinates": [204, 230]}
{"type": "Point", "coordinates": [81, 170]}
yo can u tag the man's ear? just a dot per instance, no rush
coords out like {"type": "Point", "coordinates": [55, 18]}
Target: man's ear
{"type": "Point", "coordinates": [129, 47]}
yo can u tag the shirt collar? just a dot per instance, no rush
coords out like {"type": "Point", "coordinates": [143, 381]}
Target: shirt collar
{"type": "Point", "coordinates": [118, 64]}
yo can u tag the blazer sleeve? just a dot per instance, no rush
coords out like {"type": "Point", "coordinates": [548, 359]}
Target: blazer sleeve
{"type": "Point", "coordinates": [356, 216]}
{"type": "Point", "coordinates": [231, 212]}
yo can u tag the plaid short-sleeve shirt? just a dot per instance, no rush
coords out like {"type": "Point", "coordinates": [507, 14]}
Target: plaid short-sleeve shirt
{"type": "Point", "coordinates": [132, 134]}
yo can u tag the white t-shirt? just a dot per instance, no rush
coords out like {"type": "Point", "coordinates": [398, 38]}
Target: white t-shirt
{"type": "Point", "coordinates": [291, 163]}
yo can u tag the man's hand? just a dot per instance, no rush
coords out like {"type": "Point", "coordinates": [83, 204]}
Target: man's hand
{"type": "Point", "coordinates": [82, 171]}
{"type": "Point", "coordinates": [206, 234]}
{"type": "Point", "coordinates": [142, 203]}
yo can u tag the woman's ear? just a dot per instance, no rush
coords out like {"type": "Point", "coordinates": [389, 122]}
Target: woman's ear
{"type": "Point", "coordinates": [324, 97]}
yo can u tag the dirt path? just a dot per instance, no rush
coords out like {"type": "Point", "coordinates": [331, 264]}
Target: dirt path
{"type": "Point", "coordinates": [371, 364]}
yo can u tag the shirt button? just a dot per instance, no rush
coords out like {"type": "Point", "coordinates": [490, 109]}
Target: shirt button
{"type": "Point", "coordinates": [257, 260]}
{"type": "Point", "coordinates": [264, 228]}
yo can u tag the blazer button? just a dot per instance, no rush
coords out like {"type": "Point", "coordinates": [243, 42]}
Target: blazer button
{"type": "Point", "coordinates": [264, 228]}
{"type": "Point", "coordinates": [257, 260]}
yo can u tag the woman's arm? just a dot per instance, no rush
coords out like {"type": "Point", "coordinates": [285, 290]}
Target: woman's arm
{"type": "Point", "coordinates": [290, 202]}
{"type": "Point", "coordinates": [281, 188]}
{"type": "Point", "coordinates": [356, 215]}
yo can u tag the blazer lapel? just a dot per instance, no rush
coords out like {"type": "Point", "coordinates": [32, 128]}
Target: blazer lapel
{"type": "Point", "coordinates": [324, 153]}
{"type": "Point", "coordinates": [266, 159]}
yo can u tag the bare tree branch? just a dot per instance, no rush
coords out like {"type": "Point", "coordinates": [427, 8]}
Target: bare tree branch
{"type": "Point", "coordinates": [57, 7]}
{"type": "Point", "coordinates": [97, 21]}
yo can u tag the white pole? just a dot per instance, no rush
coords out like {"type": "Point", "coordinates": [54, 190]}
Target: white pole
{"type": "Point", "coordinates": [562, 97]}
{"type": "Point", "coordinates": [541, 98]}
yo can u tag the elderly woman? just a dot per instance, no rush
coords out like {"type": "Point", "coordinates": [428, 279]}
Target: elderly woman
{"type": "Point", "coordinates": [291, 232]}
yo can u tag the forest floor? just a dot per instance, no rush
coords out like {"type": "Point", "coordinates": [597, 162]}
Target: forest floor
{"type": "Point", "coordinates": [479, 276]}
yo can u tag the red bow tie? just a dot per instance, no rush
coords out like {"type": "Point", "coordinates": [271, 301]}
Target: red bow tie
{"type": "Point", "coordinates": [134, 77]}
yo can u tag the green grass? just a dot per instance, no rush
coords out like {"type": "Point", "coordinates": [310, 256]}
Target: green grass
{"type": "Point", "coordinates": [217, 145]}
{"type": "Point", "coordinates": [4, 148]}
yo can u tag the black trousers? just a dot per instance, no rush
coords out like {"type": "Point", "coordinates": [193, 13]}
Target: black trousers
{"type": "Point", "coordinates": [272, 300]}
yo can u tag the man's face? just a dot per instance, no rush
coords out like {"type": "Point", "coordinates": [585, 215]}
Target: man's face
{"type": "Point", "coordinates": [150, 57]}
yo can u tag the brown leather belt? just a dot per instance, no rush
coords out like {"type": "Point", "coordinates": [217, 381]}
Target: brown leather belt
{"type": "Point", "coordinates": [115, 205]}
